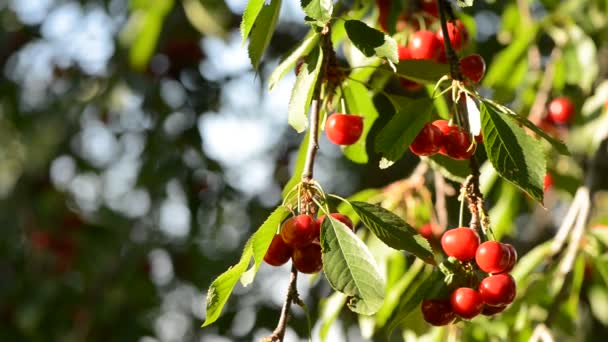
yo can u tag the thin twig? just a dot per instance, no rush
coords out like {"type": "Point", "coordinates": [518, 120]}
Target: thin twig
{"type": "Point", "coordinates": [449, 50]}
{"type": "Point", "coordinates": [292, 297]}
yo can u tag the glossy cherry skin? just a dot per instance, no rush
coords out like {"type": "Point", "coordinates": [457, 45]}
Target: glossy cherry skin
{"type": "Point", "coordinates": [343, 129]}
{"type": "Point", "coordinates": [512, 257]}
{"type": "Point", "coordinates": [561, 110]}
{"type": "Point", "coordinates": [460, 243]}
{"type": "Point", "coordinates": [428, 141]}
{"type": "Point", "coordinates": [444, 127]}
{"type": "Point", "coordinates": [466, 302]}
{"type": "Point", "coordinates": [299, 231]}
{"type": "Point", "coordinates": [457, 144]}
{"type": "Point", "coordinates": [384, 9]}
{"type": "Point", "coordinates": [437, 311]}
{"type": "Point", "coordinates": [458, 35]}
{"type": "Point", "coordinates": [403, 52]}
{"type": "Point", "coordinates": [492, 257]}
{"type": "Point", "coordinates": [489, 310]}
{"type": "Point", "coordinates": [473, 67]}
{"type": "Point", "coordinates": [308, 259]}
{"type": "Point", "coordinates": [278, 252]}
{"type": "Point", "coordinates": [497, 290]}
{"type": "Point", "coordinates": [424, 45]}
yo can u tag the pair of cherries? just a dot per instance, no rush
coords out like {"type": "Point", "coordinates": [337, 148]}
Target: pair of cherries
{"type": "Point", "coordinates": [299, 241]}
{"type": "Point", "coordinates": [440, 137]}
{"type": "Point", "coordinates": [494, 293]}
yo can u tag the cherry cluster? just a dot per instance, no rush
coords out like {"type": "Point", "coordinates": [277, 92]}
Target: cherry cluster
{"type": "Point", "coordinates": [429, 45]}
{"type": "Point", "coordinates": [440, 137]}
{"type": "Point", "coordinates": [487, 296]}
{"type": "Point", "coordinates": [299, 240]}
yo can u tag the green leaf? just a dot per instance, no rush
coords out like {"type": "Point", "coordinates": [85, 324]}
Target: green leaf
{"type": "Point", "coordinates": [558, 145]}
{"type": "Point", "coordinates": [296, 175]}
{"type": "Point", "coordinates": [290, 60]}
{"type": "Point", "coordinates": [394, 139]}
{"type": "Point", "coordinates": [363, 195]}
{"type": "Point", "coordinates": [502, 64]}
{"type": "Point", "coordinates": [350, 268]}
{"type": "Point", "coordinates": [319, 10]}
{"type": "Point", "coordinates": [528, 263]}
{"type": "Point", "coordinates": [456, 170]}
{"type": "Point", "coordinates": [359, 101]}
{"type": "Point", "coordinates": [256, 247]}
{"type": "Point", "coordinates": [262, 31]}
{"type": "Point", "coordinates": [303, 89]}
{"type": "Point", "coordinates": [393, 231]}
{"type": "Point", "coordinates": [421, 70]}
{"type": "Point", "coordinates": [505, 210]}
{"type": "Point", "coordinates": [249, 17]}
{"type": "Point", "coordinates": [516, 156]}
{"type": "Point", "coordinates": [370, 41]}
{"type": "Point", "coordinates": [395, 293]}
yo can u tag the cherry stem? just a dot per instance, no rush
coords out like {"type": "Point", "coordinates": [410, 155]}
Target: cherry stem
{"type": "Point", "coordinates": [449, 50]}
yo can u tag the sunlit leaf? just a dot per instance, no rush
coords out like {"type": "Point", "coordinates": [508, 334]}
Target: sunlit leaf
{"type": "Point", "coordinates": [262, 31]}
{"type": "Point", "coordinates": [350, 268]}
{"type": "Point", "coordinates": [359, 101]}
{"type": "Point", "coordinates": [256, 247]}
{"type": "Point", "coordinates": [371, 41]}
{"type": "Point", "coordinates": [303, 90]}
{"type": "Point", "coordinates": [290, 60]}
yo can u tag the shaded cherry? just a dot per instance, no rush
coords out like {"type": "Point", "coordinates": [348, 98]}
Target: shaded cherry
{"type": "Point", "coordinates": [457, 144]}
{"type": "Point", "coordinates": [437, 311]}
{"type": "Point", "coordinates": [512, 257]}
{"type": "Point", "coordinates": [308, 259]}
{"type": "Point", "coordinates": [343, 129]}
{"type": "Point", "coordinates": [458, 35]}
{"type": "Point", "coordinates": [278, 252]}
{"type": "Point", "coordinates": [428, 141]}
{"type": "Point", "coordinates": [473, 67]}
{"type": "Point", "coordinates": [489, 310]}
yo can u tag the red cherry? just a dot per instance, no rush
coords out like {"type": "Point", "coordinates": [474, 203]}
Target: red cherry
{"type": "Point", "coordinates": [299, 231]}
{"type": "Point", "coordinates": [40, 240]}
{"type": "Point", "coordinates": [424, 45]}
{"type": "Point", "coordinates": [343, 129]}
{"type": "Point", "coordinates": [548, 182]}
{"type": "Point", "coordinates": [466, 302]}
{"type": "Point", "coordinates": [489, 310]}
{"type": "Point", "coordinates": [457, 33]}
{"type": "Point", "coordinates": [428, 141]}
{"type": "Point", "coordinates": [512, 257]}
{"type": "Point", "coordinates": [437, 311]}
{"type": "Point", "coordinates": [308, 259]}
{"type": "Point", "coordinates": [340, 217]}
{"type": "Point", "coordinates": [427, 230]}
{"type": "Point", "coordinates": [457, 144]}
{"type": "Point", "coordinates": [410, 85]}
{"type": "Point", "coordinates": [444, 127]}
{"type": "Point", "coordinates": [473, 67]}
{"type": "Point", "coordinates": [430, 7]}
{"type": "Point", "coordinates": [498, 289]}
{"type": "Point", "coordinates": [460, 243]}
{"type": "Point", "coordinates": [492, 257]}
{"type": "Point", "coordinates": [403, 52]}
{"type": "Point", "coordinates": [278, 252]}
{"type": "Point", "coordinates": [561, 110]}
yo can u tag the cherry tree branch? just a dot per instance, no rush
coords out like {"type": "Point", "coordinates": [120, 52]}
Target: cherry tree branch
{"type": "Point", "coordinates": [307, 175]}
